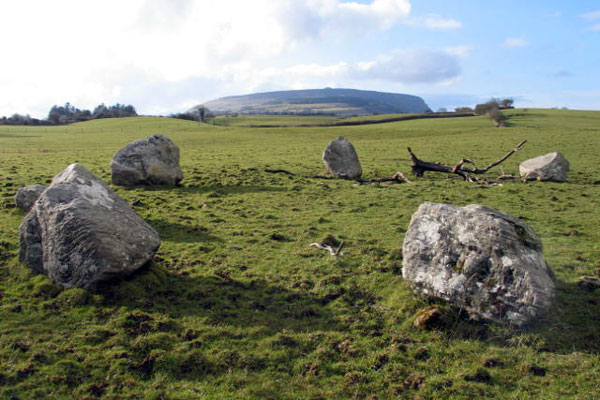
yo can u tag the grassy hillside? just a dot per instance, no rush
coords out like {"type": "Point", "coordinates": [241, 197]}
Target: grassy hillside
{"type": "Point", "coordinates": [237, 305]}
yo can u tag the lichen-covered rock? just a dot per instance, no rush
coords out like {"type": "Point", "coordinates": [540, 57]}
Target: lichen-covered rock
{"type": "Point", "coordinates": [150, 161]}
{"type": "Point", "coordinates": [483, 260]}
{"type": "Point", "coordinates": [80, 232]}
{"type": "Point", "coordinates": [341, 159]}
{"type": "Point", "coordinates": [27, 195]}
{"type": "Point", "coordinates": [549, 167]}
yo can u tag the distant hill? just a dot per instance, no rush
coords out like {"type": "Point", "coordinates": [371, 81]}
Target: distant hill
{"type": "Point", "coordinates": [339, 102]}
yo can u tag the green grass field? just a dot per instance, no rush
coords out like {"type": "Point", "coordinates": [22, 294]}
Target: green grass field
{"type": "Point", "coordinates": [251, 120]}
{"type": "Point", "coordinates": [227, 312]}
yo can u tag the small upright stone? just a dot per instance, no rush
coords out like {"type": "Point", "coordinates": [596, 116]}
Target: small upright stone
{"type": "Point", "coordinates": [150, 161]}
{"type": "Point", "coordinates": [341, 159]}
{"type": "Point", "coordinates": [27, 195]}
{"type": "Point", "coordinates": [485, 261]}
{"type": "Point", "coordinates": [549, 167]}
{"type": "Point", "coordinates": [80, 232]}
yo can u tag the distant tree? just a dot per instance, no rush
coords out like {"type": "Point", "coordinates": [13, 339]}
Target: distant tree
{"type": "Point", "coordinates": [101, 111]}
{"type": "Point", "coordinates": [68, 113]}
{"type": "Point", "coordinates": [506, 103]}
{"type": "Point", "coordinates": [203, 113]}
{"type": "Point", "coordinates": [442, 110]}
{"type": "Point", "coordinates": [463, 110]}
{"type": "Point", "coordinates": [492, 110]}
{"type": "Point", "coordinates": [484, 108]}
{"type": "Point", "coordinates": [200, 114]}
{"type": "Point", "coordinates": [185, 116]}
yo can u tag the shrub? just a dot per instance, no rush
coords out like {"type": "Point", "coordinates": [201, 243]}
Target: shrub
{"type": "Point", "coordinates": [485, 108]}
{"type": "Point", "coordinates": [497, 117]}
{"type": "Point", "coordinates": [463, 110]}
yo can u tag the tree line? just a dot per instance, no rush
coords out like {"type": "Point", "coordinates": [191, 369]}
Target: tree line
{"type": "Point", "coordinates": [492, 109]}
{"type": "Point", "coordinates": [67, 114]}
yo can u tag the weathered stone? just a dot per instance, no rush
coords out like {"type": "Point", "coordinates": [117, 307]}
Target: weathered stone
{"type": "Point", "coordinates": [150, 161]}
{"type": "Point", "coordinates": [80, 232]}
{"type": "Point", "coordinates": [549, 167]}
{"type": "Point", "coordinates": [483, 260]}
{"type": "Point", "coordinates": [27, 195]}
{"type": "Point", "coordinates": [341, 159]}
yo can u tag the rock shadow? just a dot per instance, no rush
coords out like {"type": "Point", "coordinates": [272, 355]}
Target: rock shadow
{"type": "Point", "coordinates": [222, 300]}
{"type": "Point", "coordinates": [181, 233]}
{"type": "Point", "coordinates": [217, 189]}
{"type": "Point", "coordinates": [573, 323]}
{"type": "Point", "coordinates": [570, 325]}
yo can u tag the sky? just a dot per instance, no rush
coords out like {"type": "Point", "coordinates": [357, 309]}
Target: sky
{"type": "Point", "coordinates": [165, 56]}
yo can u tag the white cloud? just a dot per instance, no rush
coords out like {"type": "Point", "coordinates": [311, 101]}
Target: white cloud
{"type": "Point", "coordinates": [434, 21]}
{"type": "Point", "coordinates": [591, 15]}
{"type": "Point", "coordinates": [460, 51]}
{"type": "Point", "coordinates": [513, 42]}
{"type": "Point", "coordinates": [144, 52]}
{"type": "Point", "coordinates": [413, 66]}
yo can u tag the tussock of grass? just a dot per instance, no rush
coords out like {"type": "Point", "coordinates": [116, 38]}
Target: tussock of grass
{"type": "Point", "coordinates": [225, 310]}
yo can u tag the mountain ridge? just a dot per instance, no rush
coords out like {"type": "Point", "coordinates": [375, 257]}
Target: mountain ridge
{"type": "Point", "coordinates": [339, 102]}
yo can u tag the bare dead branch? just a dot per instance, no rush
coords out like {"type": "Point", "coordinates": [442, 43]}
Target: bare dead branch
{"type": "Point", "coordinates": [419, 167]}
{"type": "Point", "coordinates": [500, 161]}
{"type": "Point", "coordinates": [398, 177]}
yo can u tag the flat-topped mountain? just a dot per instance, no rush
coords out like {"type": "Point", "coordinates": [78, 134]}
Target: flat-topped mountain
{"type": "Point", "coordinates": [341, 102]}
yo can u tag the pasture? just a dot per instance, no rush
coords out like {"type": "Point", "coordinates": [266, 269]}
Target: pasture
{"type": "Point", "coordinates": [237, 305]}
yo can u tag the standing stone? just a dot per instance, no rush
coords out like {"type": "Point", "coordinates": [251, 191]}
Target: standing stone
{"type": "Point", "coordinates": [150, 161]}
{"type": "Point", "coordinates": [549, 167]}
{"type": "Point", "coordinates": [80, 232]}
{"type": "Point", "coordinates": [27, 195]}
{"type": "Point", "coordinates": [480, 259]}
{"type": "Point", "coordinates": [341, 159]}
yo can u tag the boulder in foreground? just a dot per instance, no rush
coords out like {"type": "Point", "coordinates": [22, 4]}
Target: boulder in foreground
{"type": "Point", "coordinates": [483, 260]}
{"type": "Point", "coordinates": [549, 167]}
{"type": "Point", "coordinates": [80, 232]}
{"type": "Point", "coordinates": [150, 161]}
{"type": "Point", "coordinates": [341, 159]}
{"type": "Point", "coordinates": [27, 195]}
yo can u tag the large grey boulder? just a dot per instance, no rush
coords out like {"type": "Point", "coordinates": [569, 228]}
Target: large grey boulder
{"type": "Point", "coordinates": [341, 159]}
{"type": "Point", "coordinates": [80, 232]}
{"type": "Point", "coordinates": [483, 260]}
{"type": "Point", "coordinates": [150, 161]}
{"type": "Point", "coordinates": [549, 167]}
{"type": "Point", "coordinates": [27, 195]}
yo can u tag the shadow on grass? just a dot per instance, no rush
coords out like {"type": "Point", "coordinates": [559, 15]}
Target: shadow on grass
{"type": "Point", "coordinates": [217, 189]}
{"type": "Point", "coordinates": [15, 136]}
{"type": "Point", "coordinates": [222, 300]}
{"type": "Point", "coordinates": [181, 233]}
{"type": "Point", "coordinates": [573, 321]}
{"type": "Point", "coordinates": [570, 325]}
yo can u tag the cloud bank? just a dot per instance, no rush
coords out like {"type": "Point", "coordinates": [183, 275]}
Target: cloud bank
{"type": "Point", "coordinates": [162, 55]}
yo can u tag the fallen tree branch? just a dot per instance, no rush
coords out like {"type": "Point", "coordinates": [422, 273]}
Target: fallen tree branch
{"type": "Point", "coordinates": [506, 177]}
{"type": "Point", "coordinates": [419, 167]}
{"type": "Point", "coordinates": [398, 177]}
{"type": "Point", "coordinates": [500, 161]}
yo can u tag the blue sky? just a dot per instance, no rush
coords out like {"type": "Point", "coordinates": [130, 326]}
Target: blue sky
{"type": "Point", "coordinates": [165, 56]}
